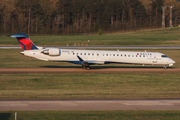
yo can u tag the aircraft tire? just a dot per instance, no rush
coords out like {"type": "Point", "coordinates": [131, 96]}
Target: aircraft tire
{"type": "Point", "coordinates": [83, 67]}
{"type": "Point", "coordinates": [88, 68]}
{"type": "Point", "coordinates": [165, 67]}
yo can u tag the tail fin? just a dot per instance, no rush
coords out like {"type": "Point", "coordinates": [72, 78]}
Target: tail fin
{"type": "Point", "coordinates": [24, 41]}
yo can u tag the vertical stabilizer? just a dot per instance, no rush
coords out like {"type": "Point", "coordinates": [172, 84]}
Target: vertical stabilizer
{"type": "Point", "coordinates": [24, 41]}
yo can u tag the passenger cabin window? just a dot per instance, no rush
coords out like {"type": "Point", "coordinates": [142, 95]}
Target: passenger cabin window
{"type": "Point", "coordinates": [97, 54]}
{"type": "Point", "coordinates": [88, 53]}
{"type": "Point", "coordinates": [125, 55]}
{"type": "Point", "coordinates": [164, 56]}
{"type": "Point", "coordinates": [132, 55]}
{"type": "Point", "coordinates": [121, 55]}
{"type": "Point", "coordinates": [84, 53]}
{"type": "Point", "coordinates": [81, 53]}
{"type": "Point", "coordinates": [73, 53]}
{"type": "Point", "coordinates": [128, 55]}
{"type": "Point", "coordinates": [106, 54]}
{"type": "Point", "coordinates": [117, 54]}
{"type": "Point", "coordinates": [93, 54]}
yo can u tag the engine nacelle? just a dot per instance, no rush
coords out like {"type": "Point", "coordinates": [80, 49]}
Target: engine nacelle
{"type": "Point", "coordinates": [52, 52]}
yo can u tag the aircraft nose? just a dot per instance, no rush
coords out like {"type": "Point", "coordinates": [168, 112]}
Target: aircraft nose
{"type": "Point", "coordinates": [172, 61]}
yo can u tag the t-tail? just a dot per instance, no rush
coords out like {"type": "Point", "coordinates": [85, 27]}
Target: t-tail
{"type": "Point", "coordinates": [24, 41]}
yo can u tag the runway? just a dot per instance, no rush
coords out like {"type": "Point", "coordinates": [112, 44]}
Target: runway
{"type": "Point", "coordinates": [116, 104]}
{"type": "Point", "coordinates": [96, 70]}
{"type": "Point", "coordinates": [100, 47]}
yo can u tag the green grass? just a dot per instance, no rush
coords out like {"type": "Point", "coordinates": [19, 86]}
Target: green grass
{"type": "Point", "coordinates": [92, 115]}
{"type": "Point", "coordinates": [124, 85]}
{"type": "Point", "coordinates": [10, 58]}
{"type": "Point", "coordinates": [159, 37]}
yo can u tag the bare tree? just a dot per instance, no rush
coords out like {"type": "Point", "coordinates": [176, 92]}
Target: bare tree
{"type": "Point", "coordinates": [8, 6]}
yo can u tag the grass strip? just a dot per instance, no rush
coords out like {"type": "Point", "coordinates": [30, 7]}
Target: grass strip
{"type": "Point", "coordinates": [92, 115]}
{"type": "Point", "coordinates": [159, 37]}
{"type": "Point", "coordinates": [125, 85]}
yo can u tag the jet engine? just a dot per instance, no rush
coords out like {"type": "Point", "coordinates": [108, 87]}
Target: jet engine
{"type": "Point", "coordinates": [52, 52]}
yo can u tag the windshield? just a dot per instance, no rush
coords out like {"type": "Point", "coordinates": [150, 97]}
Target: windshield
{"type": "Point", "coordinates": [163, 56]}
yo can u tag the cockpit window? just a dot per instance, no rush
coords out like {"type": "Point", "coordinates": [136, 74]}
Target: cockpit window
{"type": "Point", "coordinates": [163, 56]}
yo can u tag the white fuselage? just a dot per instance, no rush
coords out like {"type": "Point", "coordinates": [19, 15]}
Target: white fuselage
{"type": "Point", "coordinates": [102, 57]}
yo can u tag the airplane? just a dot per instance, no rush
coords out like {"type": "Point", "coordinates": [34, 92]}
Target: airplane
{"type": "Point", "coordinates": [91, 57]}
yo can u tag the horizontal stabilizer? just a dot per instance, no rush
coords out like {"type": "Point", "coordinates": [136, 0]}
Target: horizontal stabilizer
{"type": "Point", "coordinates": [20, 35]}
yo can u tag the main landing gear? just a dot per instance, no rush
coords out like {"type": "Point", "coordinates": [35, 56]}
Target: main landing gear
{"type": "Point", "coordinates": [87, 67]}
{"type": "Point", "coordinates": [165, 67]}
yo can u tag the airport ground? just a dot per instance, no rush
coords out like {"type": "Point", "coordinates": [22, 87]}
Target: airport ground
{"type": "Point", "coordinates": [138, 82]}
{"type": "Point", "coordinates": [92, 85]}
{"type": "Point", "coordinates": [89, 85]}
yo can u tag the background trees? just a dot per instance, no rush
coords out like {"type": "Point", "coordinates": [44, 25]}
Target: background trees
{"type": "Point", "coordinates": [82, 16]}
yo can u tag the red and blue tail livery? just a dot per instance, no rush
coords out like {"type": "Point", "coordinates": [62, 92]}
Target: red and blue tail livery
{"type": "Point", "coordinates": [24, 41]}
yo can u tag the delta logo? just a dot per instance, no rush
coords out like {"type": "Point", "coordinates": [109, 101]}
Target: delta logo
{"type": "Point", "coordinates": [144, 53]}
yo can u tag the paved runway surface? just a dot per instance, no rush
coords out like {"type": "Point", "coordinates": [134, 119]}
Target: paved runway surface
{"type": "Point", "coordinates": [139, 104]}
{"type": "Point", "coordinates": [100, 47]}
{"type": "Point", "coordinates": [96, 70]}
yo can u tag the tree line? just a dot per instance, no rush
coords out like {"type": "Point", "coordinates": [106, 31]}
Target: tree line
{"type": "Point", "coordinates": [82, 16]}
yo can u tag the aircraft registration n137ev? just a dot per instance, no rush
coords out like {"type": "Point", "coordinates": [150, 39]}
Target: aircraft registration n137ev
{"type": "Point", "coordinates": [90, 57]}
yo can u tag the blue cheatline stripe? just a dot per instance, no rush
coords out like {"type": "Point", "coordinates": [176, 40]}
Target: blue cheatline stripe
{"type": "Point", "coordinates": [22, 45]}
{"type": "Point", "coordinates": [81, 62]}
{"type": "Point", "coordinates": [76, 62]}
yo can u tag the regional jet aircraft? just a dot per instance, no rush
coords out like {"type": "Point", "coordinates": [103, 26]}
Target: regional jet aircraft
{"type": "Point", "coordinates": [90, 57]}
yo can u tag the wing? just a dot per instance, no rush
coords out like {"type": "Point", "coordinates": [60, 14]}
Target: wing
{"type": "Point", "coordinates": [91, 62]}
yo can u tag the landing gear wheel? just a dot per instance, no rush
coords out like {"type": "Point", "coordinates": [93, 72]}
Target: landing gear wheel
{"type": "Point", "coordinates": [165, 67]}
{"type": "Point", "coordinates": [83, 67]}
{"type": "Point", "coordinates": [87, 68]}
